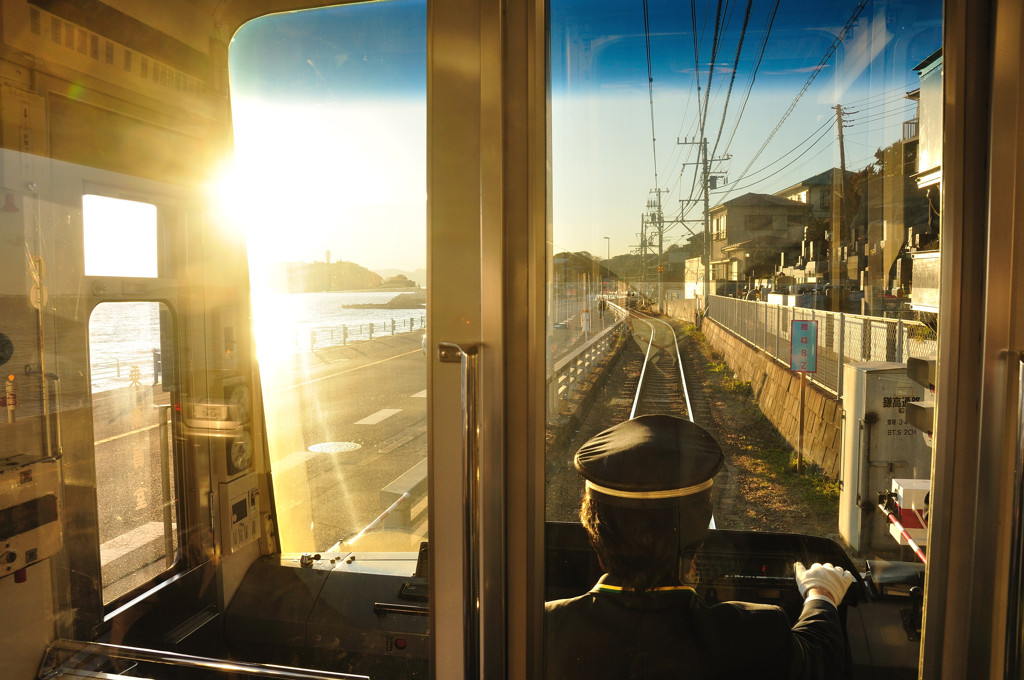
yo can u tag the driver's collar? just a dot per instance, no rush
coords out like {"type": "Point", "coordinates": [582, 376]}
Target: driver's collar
{"type": "Point", "coordinates": [606, 584]}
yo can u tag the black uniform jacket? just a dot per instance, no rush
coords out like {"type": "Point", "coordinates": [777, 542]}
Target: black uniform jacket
{"type": "Point", "coordinates": [671, 633]}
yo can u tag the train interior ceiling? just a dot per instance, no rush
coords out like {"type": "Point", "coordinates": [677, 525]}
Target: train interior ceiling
{"type": "Point", "coordinates": [305, 309]}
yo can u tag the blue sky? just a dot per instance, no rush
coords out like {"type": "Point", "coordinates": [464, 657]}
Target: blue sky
{"type": "Point", "coordinates": [602, 113]}
{"type": "Point", "coordinates": [331, 115]}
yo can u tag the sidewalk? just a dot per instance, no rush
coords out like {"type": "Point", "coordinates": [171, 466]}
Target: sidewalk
{"type": "Point", "coordinates": [567, 334]}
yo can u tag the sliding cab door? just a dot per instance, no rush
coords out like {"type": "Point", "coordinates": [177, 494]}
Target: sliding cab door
{"type": "Point", "coordinates": [388, 145]}
{"type": "Point", "coordinates": [358, 166]}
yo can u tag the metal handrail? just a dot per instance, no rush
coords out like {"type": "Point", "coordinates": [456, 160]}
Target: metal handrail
{"type": "Point", "coordinates": [77, 650]}
{"type": "Point", "coordinates": [467, 356]}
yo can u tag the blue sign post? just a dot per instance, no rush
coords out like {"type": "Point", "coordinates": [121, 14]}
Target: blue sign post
{"type": "Point", "coordinates": [803, 348]}
{"type": "Point", "coordinates": [803, 357]}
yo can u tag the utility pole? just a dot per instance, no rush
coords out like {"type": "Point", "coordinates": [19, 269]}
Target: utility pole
{"type": "Point", "coordinates": [838, 221]}
{"type": "Point", "coordinates": [707, 178]}
{"type": "Point", "coordinates": [643, 253]}
{"type": "Point", "coordinates": [606, 274]}
{"type": "Point", "coordinates": [657, 219]}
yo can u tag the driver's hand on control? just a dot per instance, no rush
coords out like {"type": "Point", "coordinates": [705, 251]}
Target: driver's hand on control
{"type": "Point", "coordinates": [822, 579]}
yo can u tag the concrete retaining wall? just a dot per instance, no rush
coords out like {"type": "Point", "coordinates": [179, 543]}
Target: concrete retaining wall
{"type": "Point", "coordinates": [683, 309]}
{"type": "Point", "coordinates": [777, 391]}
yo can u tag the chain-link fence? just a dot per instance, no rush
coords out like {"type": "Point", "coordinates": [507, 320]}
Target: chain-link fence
{"type": "Point", "coordinates": [842, 338]}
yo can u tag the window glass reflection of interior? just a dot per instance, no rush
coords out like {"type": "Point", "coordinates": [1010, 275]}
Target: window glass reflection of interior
{"type": "Point", "coordinates": [329, 186]}
{"type": "Point", "coordinates": [680, 136]}
{"type": "Point", "coordinates": [800, 102]}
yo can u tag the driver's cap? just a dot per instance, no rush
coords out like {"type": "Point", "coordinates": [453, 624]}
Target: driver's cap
{"type": "Point", "coordinates": [649, 460]}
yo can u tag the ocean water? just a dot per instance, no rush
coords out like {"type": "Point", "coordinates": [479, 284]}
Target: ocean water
{"type": "Point", "coordinates": [124, 337]}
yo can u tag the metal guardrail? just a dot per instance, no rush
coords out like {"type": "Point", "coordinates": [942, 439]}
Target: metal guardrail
{"type": "Point", "coordinates": [143, 366]}
{"type": "Point", "coordinates": [842, 338]}
{"type": "Point", "coordinates": [322, 337]}
{"type": "Point", "coordinates": [572, 369]}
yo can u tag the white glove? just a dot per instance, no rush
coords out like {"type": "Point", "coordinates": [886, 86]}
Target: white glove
{"type": "Point", "coordinates": [833, 580]}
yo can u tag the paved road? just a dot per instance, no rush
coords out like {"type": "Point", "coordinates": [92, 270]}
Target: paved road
{"type": "Point", "coordinates": [352, 420]}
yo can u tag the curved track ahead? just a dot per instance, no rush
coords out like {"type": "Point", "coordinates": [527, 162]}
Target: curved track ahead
{"type": "Point", "coordinates": [662, 383]}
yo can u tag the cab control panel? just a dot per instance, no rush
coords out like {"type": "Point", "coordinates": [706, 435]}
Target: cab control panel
{"type": "Point", "coordinates": [29, 517]}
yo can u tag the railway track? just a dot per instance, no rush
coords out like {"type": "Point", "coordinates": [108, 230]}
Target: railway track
{"type": "Point", "coordinates": [661, 382]}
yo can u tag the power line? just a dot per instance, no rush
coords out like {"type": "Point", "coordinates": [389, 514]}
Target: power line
{"type": "Point", "coordinates": [732, 79]}
{"type": "Point", "coordinates": [650, 92]}
{"type": "Point", "coordinates": [814, 74]}
{"type": "Point", "coordinates": [711, 65]}
{"type": "Point", "coordinates": [823, 129]}
{"type": "Point", "coordinates": [886, 93]}
{"type": "Point", "coordinates": [900, 113]}
{"type": "Point", "coordinates": [753, 74]}
{"type": "Point", "coordinates": [786, 166]}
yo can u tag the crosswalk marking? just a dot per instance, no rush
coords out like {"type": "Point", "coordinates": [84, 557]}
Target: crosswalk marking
{"type": "Point", "coordinates": [380, 415]}
{"type": "Point", "coordinates": [421, 395]}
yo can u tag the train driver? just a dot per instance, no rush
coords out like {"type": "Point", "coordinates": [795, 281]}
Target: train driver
{"type": "Point", "coordinates": [646, 510]}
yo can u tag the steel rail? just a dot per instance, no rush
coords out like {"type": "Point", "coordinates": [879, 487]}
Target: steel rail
{"type": "Point", "coordinates": [647, 358]}
{"type": "Point", "coordinates": [679, 362]}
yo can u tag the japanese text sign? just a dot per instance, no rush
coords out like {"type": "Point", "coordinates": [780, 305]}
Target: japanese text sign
{"type": "Point", "coordinates": [803, 350]}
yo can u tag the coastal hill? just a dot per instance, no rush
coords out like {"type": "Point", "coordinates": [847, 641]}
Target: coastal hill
{"type": "Point", "coordinates": [416, 300]}
{"type": "Point", "coordinates": [315, 277]}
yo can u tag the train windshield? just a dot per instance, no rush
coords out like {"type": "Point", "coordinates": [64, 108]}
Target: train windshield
{"type": "Point", "coordinates": [329, 114]}
{"type": "Point", "coordinates": [757, 181]}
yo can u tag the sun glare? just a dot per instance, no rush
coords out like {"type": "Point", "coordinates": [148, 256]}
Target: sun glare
{"type": "Point", "coordinates": [306, 180]}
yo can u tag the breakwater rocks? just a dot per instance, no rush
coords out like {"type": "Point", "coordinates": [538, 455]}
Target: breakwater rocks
{"type": "Point", "coordinates": [414, 300]}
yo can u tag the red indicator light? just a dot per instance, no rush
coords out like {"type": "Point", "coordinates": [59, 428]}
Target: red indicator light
{"type": "Point", "coordinates": [399, 643]}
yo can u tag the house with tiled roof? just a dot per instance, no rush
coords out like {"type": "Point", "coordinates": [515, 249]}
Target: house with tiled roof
{"type": "Point", "coordinates": [749, 232]}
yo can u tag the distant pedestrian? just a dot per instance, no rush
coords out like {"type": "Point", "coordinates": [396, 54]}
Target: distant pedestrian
{"type": "Point", "coordinates": [585, 322]}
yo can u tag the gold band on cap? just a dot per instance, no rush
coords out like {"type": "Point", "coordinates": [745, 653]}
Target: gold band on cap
{"type": "Point", "coordinates": [652, 495]}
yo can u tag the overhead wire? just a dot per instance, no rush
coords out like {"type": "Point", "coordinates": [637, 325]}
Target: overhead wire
{"type": "Point", "coordinates": [732, 78]}
{"type": "Point", "coordinates": [715, 41]}
{"type": "Point", "coordinates": [886, 93]}
{"type": "Point", "coordinates": [787, 166]}
{"type": "Point", "coordinates": [696, 70]}
{"type": "Point", "coordinates": [753, 73]}
{"type": "Point", "coordinates": [850, 122]}
{"type": "Point", "coordinates": [825, 126]}
{"type": "Point", "coordinates": [750, 85]}
{"type": "Point", "coordinates": [814, 74]}
{"type": "Point", "coordinates": [650, 91]}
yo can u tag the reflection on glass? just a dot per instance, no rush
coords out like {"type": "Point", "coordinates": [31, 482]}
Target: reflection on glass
{"type": "Point", "coordinates": [135, 491]}
{"type": "Point", "coordinates": [749, 168]}
{"type": "Point", "coordinates": [721, 175]}
{"type": "Point", "coordinates": [329, 186]}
